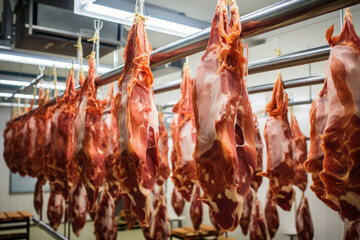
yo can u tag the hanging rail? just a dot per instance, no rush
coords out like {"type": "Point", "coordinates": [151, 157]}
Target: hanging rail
{"type": "Point", "coordinates": [48, 229]}
{"type": "Point", "coordinates": [22, 89]}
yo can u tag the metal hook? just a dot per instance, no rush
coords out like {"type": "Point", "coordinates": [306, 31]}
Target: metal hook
{"type": "Point", "coordinates": [41, 69]}
{"type": "Point", "coordinates": [98, 24]}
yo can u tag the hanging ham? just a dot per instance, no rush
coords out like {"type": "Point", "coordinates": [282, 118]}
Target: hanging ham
{"type": "Point", "coordinates": [277, 134]}
{"type": "Point", "coordinates": [164, 170]}
{"type": "Point", "coordinates": [257, 180]}
{"type": "Point", "coordinates": [137, 161]}
{"type": "Point", "coordinates": [79, 207]}
{"type": "Point", "coordinates": [184, 176]}
{"type": "Point", "coordinates": [55, 208]}
{"type": "Point", "coordinates": [177, 201]}
{"type": "Point", "coordinates": [246, 214]}
{"type": "Point", "coordinates": [299, 154]}
{"type": "Point", "coordinates": [304, 225]}
{"type": "Point", "coordinates": [341, 138]}
{"type": "Point", "coordinates": [225, 152]}
{"type": "Point", "coordinates": [258, 229]}
{"type": "Point", "coordinates": [88, 154]}
{"type": "Point", "coordinates": [196, 208]}
{"type": "Point", "coordinates": [271, 215]}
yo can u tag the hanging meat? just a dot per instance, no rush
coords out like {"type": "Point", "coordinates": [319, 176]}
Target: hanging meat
{"type": "Point", "coordinates": [341, 138]}
{"type": "Point", "coordinates": [246, 214]}
{"type": "Point", "coordinates": [352, 230]}
{"type": "Point", "coordinates": [212, 220]}
{"type": "Point", "coordinates": [184, 176]}
{"type": "Point", "coordinates": [79, 207]}
{"type": "Point", "coordinates": [299, 154]}
{"type": "Point", "coordinates": [225, 152]}
{"type": "Point", "coordinates": [177, 201]}
{"type": "Point", "coordinates": [164, 170]}
{"type": "Point", "coordinates": [258, 229]}
{"type": "Point", "coordinates": [277, 134]}
{"type": "Point", "coordinates": [271, 215]}
{"type": "Point", "coordinates": [196, 208]}
{"type": "Point", "coordinates": [88, 154]}
{"type": "Point", "coordinates": [314, 163]}
{"type": "Point", "coordinates": [55, 208]}
{"type": "Point", "coordinates": [304, 225]}
{"type": "Point", "coordinates": [158, 192]}
{"type": "Point", "coordinates": [38, 196]}
{"type": "Point", "coordinates": [257, 180]}
{"type": "Point", "coordinates": [160, 228]}
{"type": "Point", "coordinates": [104, 223]}
{"type": "Point", "coordinates": [110, 141]}
{"type": "Point", "coordinates": [137, 162]}
{"type": "Point", "coordinates": [173, 129]}
{"type": "Point", "coordinates": [130, 216]}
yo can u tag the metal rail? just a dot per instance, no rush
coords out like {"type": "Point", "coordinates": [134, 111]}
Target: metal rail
{"type": "Point", "coordinates": [48, 229]}
{"type": "Point", "coordinates": [267, 19]}
{"type": "Point", "coordinates": [22, 89]}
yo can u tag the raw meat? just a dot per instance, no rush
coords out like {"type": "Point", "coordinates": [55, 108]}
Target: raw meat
{"type": "Point", "coordinates": [352, 230]}
{"type": "Point", "coordinates": [177, 201]}
{"type": "Point", "coordinates": [271, 215]}
{"type": "Point", "coordinates": [257, 180]}
{"type": "Point", "coordinates": [277, 134]}
{"type": "Point", "coordinates": [304, 225]}
{"type": "Point", "coordinates": [104, 223]}
{"type": "Point", "coordinates": [258, 229]}
{"type": "Point", "coordinates": [158, 192]}
{"type": "Point", "coordinates": [164, 170]}
{"type": "Point", "coordinates": [299, 154]}
{"type": "Point", "coordinates": [129, 214]}
{"type": "Point", "coordinates": [225, 152]}
{"type": "Point", "coordinates": [212, 220]}
{"type": "Point", "coordinates": [173, 129]}
{"type": "Point", "coordinates": [341, 138]}
{"type": "Point", "coordinates": [160, 228]}
{"type": "Point", "coordinates": [79, 207]}
{"type": "Point", "coordinates": [184, 176]}
{"type": "Point", "coordinates": [55, 208]}
{"type": "Point", "coordinates": [38, 196]}
{"type": "Point", "coordinates": [246, 214]}
{"type": "Point", "coordinates": [138, 158]}
{"type": "Point", "coordinates": [314, 163]}
{"type": "Point", "coordinates": [88, 154]}
{"type": "Point", "coordinates": [110, 141]}
{"type": "Point", "coordinates": [196, 208]}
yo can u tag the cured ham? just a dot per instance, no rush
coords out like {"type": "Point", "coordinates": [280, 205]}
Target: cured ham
{"type": "Point", "coordinates": [246, 214]}
{"type": "Point", "coordinates": [164, 170]}
{"type": "Point", "coordinates": [138, 158]}
{"type": "Point", "coordinates": [38, 196]}
{"type": "Point", "coordinates": [341, 138]}
{"type": "Point", "coordinates": [257, 180]}
{"type": "Point", "coordinates": [184, 176]}
{"type": "Point", "coordinates": [299, 154]}
{"type": "Point", "coordinates": [277, 134]}
{"type": "Point", "coordinates": [110, 141]}
{"type": "Point", "coordinates": [160, 228]}
{"type": "Point", "coordinates": [79, 207]}
{"type": "Point", "coordinates": [55, 208]}
{"type": "Point", "coordinates": [352, 230]}
{"type": "Point", "coordinates": [271, 215]}
{"type": "Point", "coordinates": [225, 152]}
{"type": "Point", "coordinates": [304, 225]}
{"type": "Point", "coordinates": [314, 163]}
{"type": "Point", "coordinates": [104, 222]}
{"type": "Point", "coordinates": [88, 153]}
{"type": "Point", "coordinates": [196, 208]}
{"type": "Point", "coordinates": [177, 201]}
{"type": "Point", "coordinates": [258, 229]}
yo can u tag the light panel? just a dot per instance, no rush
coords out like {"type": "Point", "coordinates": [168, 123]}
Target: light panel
{"type": "Point", "coordinates": [18, 95]}
{"type": "Point", "coordinates": [59, 86]}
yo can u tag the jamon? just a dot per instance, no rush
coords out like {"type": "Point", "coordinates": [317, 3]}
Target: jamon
{"type": "Point", "coordinates": [55, 208]}
{"type": "Point", "coordinates": [341, 138]}
{"type": "Point", "coordinates": [164, 170]}
{"type": "Point", "coordinates": [184, 176]}
{"type": "Point", "coordinates": [246, 214]}
{"type": "Point", "coordinates": [271, 215]}
{"type": "Point", "coordinates": [137, 161]}
{"type": "Point", "coordinates": [110, 142]}
{"type": "Point", "coordinates": [78, 208]}
{"type": "Point", "coordinates": [257, 180]}
{"type": "Point", "coordinates": [160, 228]}
{"type": "Point", "coordinates": [314, 163]}
{"type": "Point", "coordinates": [88, 154]}
{"type": "Point", "coordinates": [104, 223]}
{"type": "Point", "coordinates": [304, 225]}
{"type": "Point", "coordinates": [196, 208]}
{"type": "Point", "coordinates": [277, 134]}
{"type": "Point", "coordinates": [177, 201]}
{"type": "Point", "coordinates": [258, 229]}
{"type": "Point", "coordinates": [225, 152]}
{"type": "Point", "coordinates": [38, 196]}
{"type": "Point", "coordinates": [352, 230]}
{"type": "Point", "coordinates": [299, 154]}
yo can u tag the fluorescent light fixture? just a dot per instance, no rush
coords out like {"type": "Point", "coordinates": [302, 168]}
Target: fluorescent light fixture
{"type": "Point", "coordinates": [7, 104]}
{"type": "Point", "coordinates": [19, 95]}
{"type": "Point", "coordinates": [60, 86]}
{"type": "Point", "coordinates": [123, 17]}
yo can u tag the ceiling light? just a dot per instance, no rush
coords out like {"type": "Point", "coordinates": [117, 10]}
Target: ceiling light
{"type": "Point", "coordinates": [59, 86]}
{"type": "Point", "coordinates": [18, 95]}
{"type": "Point", "coordinates": [124, 17]}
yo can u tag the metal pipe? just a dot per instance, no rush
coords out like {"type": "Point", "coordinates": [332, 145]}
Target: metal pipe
{"type": "Point", "coordinates": [48, 229]}
{"type": "Point", "coordinates": [32, 83]}
{"type": "Point", "coordinates": [304, 102]}
{"type": "Point", "coordinates": [275, 16]}
{"type": "Point", "coordinates": [173, 85]}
